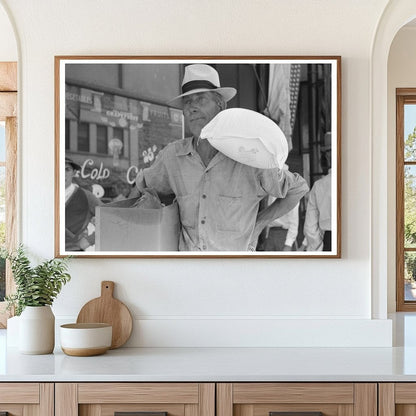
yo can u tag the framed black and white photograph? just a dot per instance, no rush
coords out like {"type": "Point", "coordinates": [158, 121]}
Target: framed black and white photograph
{"type": "Point", "coordinates": [198, 156]}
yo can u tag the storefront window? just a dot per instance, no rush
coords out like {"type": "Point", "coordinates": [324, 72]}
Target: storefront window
{"type": "Point", "coordinates": [112, 136]}
{"type": "Point", "coordinates": [83, 137]}
{"type": "Point", "coordinates": [67, 135]}
{"type": "Point", "coordinates": [118, 133]}
{"type": "Point", "coordinates": [126, 144]}
{"type": "Point", "coordinates": [102, 140]}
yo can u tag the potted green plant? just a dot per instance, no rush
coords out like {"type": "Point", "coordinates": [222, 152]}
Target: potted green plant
{"type": "Point", "coordinates": [36, 289]}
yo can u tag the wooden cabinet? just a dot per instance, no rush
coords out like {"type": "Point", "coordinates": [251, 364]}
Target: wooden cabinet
{"type": "Point", "coordinates": [105, 399]}
{"type": "Point", "coordinates": [221, 399]}
{"type": "Point", "coordinates": [397, 399]}
{"type": "Point", "coordinates": [27, 399]}
{"type": "Point", "coordinates": [332, 399]}
{"type": "Point", "coordinates": [208, 399]}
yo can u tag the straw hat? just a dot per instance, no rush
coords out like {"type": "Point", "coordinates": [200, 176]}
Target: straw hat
{"type": "Point", "coordinates": [202, 78]}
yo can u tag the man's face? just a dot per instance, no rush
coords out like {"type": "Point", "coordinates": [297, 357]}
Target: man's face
{"type": "Point", "coordinates": [199, 109]}
{"type": "Point", "coordinates": [69, 174]}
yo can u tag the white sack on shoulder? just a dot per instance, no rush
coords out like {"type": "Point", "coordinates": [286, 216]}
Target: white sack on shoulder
{"type": "Point", "coordinates": [247, 137]}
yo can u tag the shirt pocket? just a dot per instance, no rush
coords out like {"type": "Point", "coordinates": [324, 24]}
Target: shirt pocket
{"type": "Point", "coordinates": [229, 212]}
{"type": "Point", "coordinates": [188, 210]}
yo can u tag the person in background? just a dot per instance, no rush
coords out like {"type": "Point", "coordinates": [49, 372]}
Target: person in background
{"type": "Point", "coordinates": [123, 191]}
{"type": "Point", "coordinates": [218, 198]}
{"type": "Point", "coordinates": [317, 227]}
{"type": "Point", "coordinates": [283, 231]}
{"type": "Point", "coordinates": [79, 210]}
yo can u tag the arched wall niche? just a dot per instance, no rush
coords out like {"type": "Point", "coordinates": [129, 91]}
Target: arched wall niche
{"type": "Point", "coordinates": [396, 15]}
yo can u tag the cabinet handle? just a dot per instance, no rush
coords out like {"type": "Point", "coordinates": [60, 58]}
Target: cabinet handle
{"type": "Point", "coordinates": [295, 413]}
{"type": "Point", "coordinates": [138, 414]}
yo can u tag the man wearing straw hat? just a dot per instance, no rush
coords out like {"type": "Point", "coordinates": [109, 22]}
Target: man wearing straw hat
{"type": "Point", "coordinates": [218, 197]}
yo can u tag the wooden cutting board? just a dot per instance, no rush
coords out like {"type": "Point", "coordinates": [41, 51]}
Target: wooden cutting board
{"type": "Point", "coordinates": [108, 310]}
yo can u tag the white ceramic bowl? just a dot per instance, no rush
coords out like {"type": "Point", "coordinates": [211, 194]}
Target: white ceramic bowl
{"type": "Point", "coordinates": [85, 339]}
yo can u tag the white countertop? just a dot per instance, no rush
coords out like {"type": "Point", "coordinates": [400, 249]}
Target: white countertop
{"type": "Point", "coordinates": [221, 364]}
{"type": "Point", "coordinates": [215, 364]}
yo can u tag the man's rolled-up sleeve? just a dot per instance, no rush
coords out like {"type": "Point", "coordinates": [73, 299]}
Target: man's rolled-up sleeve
{"type": "Point", "coordinates": [287, 187]}
{"type": "Point", "coordinates": [278, 182]}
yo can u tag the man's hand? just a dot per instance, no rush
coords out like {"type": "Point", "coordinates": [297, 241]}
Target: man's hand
{"type": "Point", "coordinates": [84, 243]}
{"type": "Point", "coordinates": [287, 248]}
{"type": "Point", "coordinates": [302, 247]}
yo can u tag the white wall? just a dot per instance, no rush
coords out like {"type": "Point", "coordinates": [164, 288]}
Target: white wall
{"type": "Point", "coordinates": [401, 74]}
{"type": "Point", "coordinates": [212, 301]}
{"type": "Point", "coordinates": [8, 45]}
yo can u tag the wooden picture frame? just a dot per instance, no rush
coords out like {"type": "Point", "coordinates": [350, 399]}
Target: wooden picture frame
{"type": "Point", "coordinates": [114, 116]}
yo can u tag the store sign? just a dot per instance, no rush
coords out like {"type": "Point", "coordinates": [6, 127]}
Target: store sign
{"type": "Point", "coordinates": [132, 173]}
{"type": "Point", "coordinates": [79, 98]}
{"type": "Point", "coordinates": [96, 172]}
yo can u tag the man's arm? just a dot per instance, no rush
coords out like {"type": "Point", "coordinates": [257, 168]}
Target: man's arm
{"type": "Point", "coordinates": [155, 176]}
{"type": "Point", "coordinates": [296, 190]}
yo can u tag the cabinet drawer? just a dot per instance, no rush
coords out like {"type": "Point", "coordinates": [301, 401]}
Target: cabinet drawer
{"type": "Point", "coordinates": [397, 399]}
{"type": "Point", "coordinates": [268, 399]}
{"type": "Point", "coordinates": [21, 399]}
{"type": "Point", "coordinates": [138, 393]}
{"type": "Point", "coordinates": [19, 393]}
{"type": "Point", "coordinates": [107, 399]}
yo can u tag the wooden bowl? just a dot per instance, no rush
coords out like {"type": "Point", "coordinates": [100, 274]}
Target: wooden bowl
{"type": "Point", "coordinates": [84, 340]}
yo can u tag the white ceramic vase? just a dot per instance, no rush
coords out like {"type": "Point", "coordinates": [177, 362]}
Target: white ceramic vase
{"type": "Point", "coordinates": [37, 330]}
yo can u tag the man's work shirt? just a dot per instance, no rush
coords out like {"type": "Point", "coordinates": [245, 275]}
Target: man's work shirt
{"type": "Point", "coordinates": [218, 203]}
